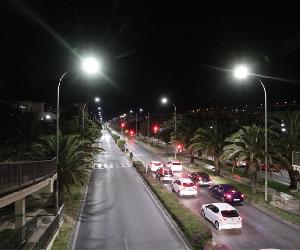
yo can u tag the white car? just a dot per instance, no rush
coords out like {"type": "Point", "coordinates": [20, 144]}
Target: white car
{"type": "Point", "coordinates": [154, 165]}
{"type": "Point", "coordinates": [184, 186]}
{"type": "Point", "coordinates": [174, 165]}
{"type": "Point", "coordinates": [222, 215]}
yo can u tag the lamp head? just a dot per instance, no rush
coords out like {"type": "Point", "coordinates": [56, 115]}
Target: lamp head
{"type": "Point", "coordinates": [91, 65]}
{"type": "Point", "coordinates": [241, 72]}
{"type": "Point", "coordinates": [164, 100]}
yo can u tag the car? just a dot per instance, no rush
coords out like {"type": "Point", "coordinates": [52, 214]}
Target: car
{"type": "Point", "coordinates": [174, 165]}
{"type": "Point", "coordinates": [226, 193]}
{"type": "Point", "coordinates": [271, 168]}
{"type": "Point", "coordinates": [164, 174]}
{"type": "Point", "coordinates": [184, 186]}
{"type": "Point", "coordinates": [222, 215]}
{"type": "Point", "coordinates": [154, 165]}
{"type": "Point", "coordinates": [200, 178]}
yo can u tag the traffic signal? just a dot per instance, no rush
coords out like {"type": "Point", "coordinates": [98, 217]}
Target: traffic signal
{"type": "Point", "coordinates": [131, 132]}
{"type": "Point", "coordinates": [179, 148]}
{"type": "Point", "coordinates": [155, 129]}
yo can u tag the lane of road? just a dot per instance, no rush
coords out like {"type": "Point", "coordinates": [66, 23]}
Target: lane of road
{"type": "Point", "coordinates": [260, 231]}
{"type": "Point", "coordinates": [118, 211]}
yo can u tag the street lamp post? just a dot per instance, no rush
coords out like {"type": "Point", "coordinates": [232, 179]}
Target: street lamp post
{"type": "Point", "coordinates": [241, 72]}
{"type": "Point", "coordinates": [148, 131]}
{"type": "Point", "coordinates": [164, 100]}
{"type": "Point", "coordinates": [91, 66]}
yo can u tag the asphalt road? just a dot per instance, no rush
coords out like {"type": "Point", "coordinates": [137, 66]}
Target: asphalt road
{"type": "Point", "coordinates": [260, 231]}
{"type": "Point", "coordinates": [118, 211]}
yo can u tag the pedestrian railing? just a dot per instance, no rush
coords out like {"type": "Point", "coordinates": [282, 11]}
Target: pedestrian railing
{"type": "Point", "coordinates": [15, 176]}
{"type": "Point", "coordinates": [16, 240]}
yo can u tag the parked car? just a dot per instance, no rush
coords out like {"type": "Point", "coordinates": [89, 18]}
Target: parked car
{"type": "Point", "coordinates": [271, 168]}
{"type": "Point", "coordinates": [226, 193]}
{"type": "Point", "coordinates": [174, 165]}
{"type": "Point", "coordinates": [184, 186]}
{"type": "Point", "coordinates": [154, 165]}
{"type": "Point", "coordinates": [164, 174]}
{"type": "Point", "coordinates": [200, 178]}
{"type": "Point", "coordinates": [222, 215]}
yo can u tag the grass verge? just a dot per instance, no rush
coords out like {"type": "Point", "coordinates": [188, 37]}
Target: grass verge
{"type": "Point", "coordinates": [71, 209]}
{"type": "Point", "coordinates": [197, 233]}
{"type": "Point", "coordinates": [257, 198]}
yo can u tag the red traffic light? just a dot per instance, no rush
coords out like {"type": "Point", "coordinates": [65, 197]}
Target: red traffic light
{"type": "Point", "coordinates": [131, 132]}
{"type": "Point", "coordinates": [155, 129]}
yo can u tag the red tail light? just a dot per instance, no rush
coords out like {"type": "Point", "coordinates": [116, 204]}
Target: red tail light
{"type": "Point", "coordinates": [228, 195]}
{"type": "Point", "coordinates": [242, 196]}
{"type": "Point", "coordinates": [199, 178]}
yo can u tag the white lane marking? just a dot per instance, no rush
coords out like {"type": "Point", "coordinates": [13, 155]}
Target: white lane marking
{"type": "Point", "coordinates": [80, 215]}
{"type": "Point", "coordinates": [126, 244]}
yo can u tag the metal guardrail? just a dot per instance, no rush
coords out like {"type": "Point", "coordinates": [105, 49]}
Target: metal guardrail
{"type": "Point", "coordinates": [44, 240]}
{"type": "Point", "coordinates": [20, 235]}
{"type": "Point", "coordinates": [14, 176]}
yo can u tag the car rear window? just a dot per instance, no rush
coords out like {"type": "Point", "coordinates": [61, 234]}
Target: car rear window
{"type": "Point", "coordinates": [230, 213]}
{"type": "Point", "coordinates": [188, 184]}
{"type": "Point", "coordinates": [157, 164]}
{"type": "Point", "coordinates": [176, 163]}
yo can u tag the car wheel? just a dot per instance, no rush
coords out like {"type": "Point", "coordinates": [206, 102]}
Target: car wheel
{"type": "Point", "coordinates": [203, 213]}
{"type": "Point", "coordinates": [217, 225]}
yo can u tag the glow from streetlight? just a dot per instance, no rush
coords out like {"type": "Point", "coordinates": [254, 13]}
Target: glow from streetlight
{"type": "Point", "coordinates": [48, 117]}
{"type": "Point", "coordinates": [130, 111]}
{"type": "Point", "coordinates": [90, 65]}
{"type": "Point", "coordinates": [241, 72]}
{"type": "Point", "coordinates": [141, 110]}
{"type": "Point", "coordinates": [99, 108]}
{"type": "Point", "coordinates": [164, 100]}
{"type": "Point", "coordinates": [97, 99]}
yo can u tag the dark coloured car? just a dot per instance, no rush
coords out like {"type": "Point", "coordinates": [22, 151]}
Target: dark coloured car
{"type": "Point", "coordinates": [200, 178]}
{"type": "Point", "coordinates": [226, 193]}
{"type": "Point", "coordinates": [164, 174]}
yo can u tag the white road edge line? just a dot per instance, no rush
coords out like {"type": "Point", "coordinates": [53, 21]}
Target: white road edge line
{"type": "Point", "coordinates": [126, 244]}
{"type": "Point", "coordinates": [79, 216]}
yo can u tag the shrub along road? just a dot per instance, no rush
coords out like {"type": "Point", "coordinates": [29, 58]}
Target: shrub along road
{"type": "Point", "coordinates": [260, 231]}
{"type": "Point", "coordinates": [118, 211]}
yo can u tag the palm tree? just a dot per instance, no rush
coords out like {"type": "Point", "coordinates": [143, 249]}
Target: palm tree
{"type": "Point", "coordinates": [76, 158]}
{"type": "Point", "coordinates": [286, 142]}
{"type": "Point", "coordinates": [247, 144]}
{"type": "Point", "coordinates": [211, 140]}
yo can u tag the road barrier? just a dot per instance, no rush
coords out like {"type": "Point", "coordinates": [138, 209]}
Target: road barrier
{"type": "Point", "coordinates": [17, 175]}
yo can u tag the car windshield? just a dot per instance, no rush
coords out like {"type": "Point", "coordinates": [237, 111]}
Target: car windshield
{"type": "Point", "coordinates": [188, 184]}
{"type": "Point", "coordinates": [230, 213]}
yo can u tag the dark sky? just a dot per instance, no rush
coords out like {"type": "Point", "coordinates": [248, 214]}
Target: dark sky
{"type": "Point", "coordinates": [147, 51]}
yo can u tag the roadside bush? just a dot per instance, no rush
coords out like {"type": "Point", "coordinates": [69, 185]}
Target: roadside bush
{"type": "Point", "coordinates": [197, 233]}
{"type": "Point", "coordinates": [121, 144]}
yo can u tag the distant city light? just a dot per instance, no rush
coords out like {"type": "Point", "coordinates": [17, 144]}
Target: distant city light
{"type": "Point", "coordinates": [48, 117]}
{"type": "Point", "coordinates": [164, 100]}
{"type": "Point", "coordinates": [283, 129]}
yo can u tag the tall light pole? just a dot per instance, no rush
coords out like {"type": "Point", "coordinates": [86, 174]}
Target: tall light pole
{"type": "Point", "coordinates": [148, 131]}
{"type": "Point", "coordinates": [241, 72]}
{"type": "Point", "coordinates": [164, 100]}
{"type": "Point", "coordinates": [90, 66]}
{"type": "Point", "coordinates": [97, 99]}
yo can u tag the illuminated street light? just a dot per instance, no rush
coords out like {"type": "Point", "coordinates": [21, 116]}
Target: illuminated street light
{"type": "Point", "coordinates": [99, 108]}
{"type": "Point", "coordinates": [164, 100]}
{"type": "Point", "coordinates": [90, 66]}
{"type": "Point", "coordinates": [97, 99]}
{"type": "Point", "coordinates": [48, 117]}
{"type": "Point", "coordinates": [241, 72]}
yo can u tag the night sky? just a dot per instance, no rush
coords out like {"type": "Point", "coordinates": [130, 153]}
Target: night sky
{"type": "Point", "coordinates": [147, 51]}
